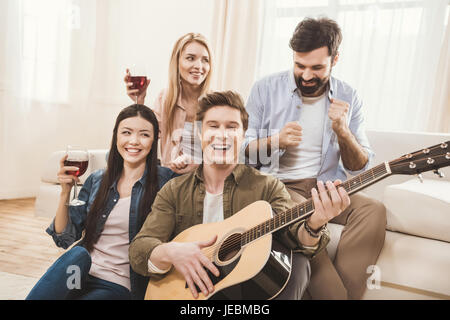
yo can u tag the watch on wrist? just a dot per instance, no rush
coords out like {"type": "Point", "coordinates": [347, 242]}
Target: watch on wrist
{"type": "Point", "coordinates": [314, 233]}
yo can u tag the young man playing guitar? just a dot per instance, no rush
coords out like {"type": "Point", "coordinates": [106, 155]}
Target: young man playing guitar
{"type": "Point", "coordinates": [218, 189]}
{"type": "Point", "coordinates": [312, 124]}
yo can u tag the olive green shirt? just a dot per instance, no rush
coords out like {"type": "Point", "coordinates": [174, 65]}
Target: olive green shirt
{"type": "Point", "coordinates": [179, 205]}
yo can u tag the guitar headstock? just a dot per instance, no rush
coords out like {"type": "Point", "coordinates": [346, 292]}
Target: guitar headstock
{"type": "Point", "coordinates": [432, 158]}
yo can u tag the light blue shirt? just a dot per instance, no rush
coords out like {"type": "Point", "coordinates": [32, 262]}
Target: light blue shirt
{"type": "Point", "coordinates": [275, 100]}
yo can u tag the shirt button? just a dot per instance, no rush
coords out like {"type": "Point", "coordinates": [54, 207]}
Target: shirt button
{"type": "Point", "coordinates": [104, 216]}
{"type": "Point", "coordinates": [115, 200]}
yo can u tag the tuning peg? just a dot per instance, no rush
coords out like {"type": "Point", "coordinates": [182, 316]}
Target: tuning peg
{"type": "Point", "coordinates": [420, 177]}
{"type": "Point", "coordinates": [439, 174]}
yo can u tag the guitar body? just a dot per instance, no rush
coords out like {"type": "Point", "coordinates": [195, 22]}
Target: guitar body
{"type": "Point", "coordinates": [256, 271]}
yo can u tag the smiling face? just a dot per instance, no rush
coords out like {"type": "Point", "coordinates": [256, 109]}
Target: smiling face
{"type": "Point", "coordinates": [222, 135]}
{"type": "Point", "coordinates": [134, 140]}
{"type": "Point", "coordinates": [312, 71]}
{"type": "Point", "coordinates": [194, 63]}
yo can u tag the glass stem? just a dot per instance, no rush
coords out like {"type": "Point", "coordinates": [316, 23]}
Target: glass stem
{"type": "Point", "coordinates": [75, 193]}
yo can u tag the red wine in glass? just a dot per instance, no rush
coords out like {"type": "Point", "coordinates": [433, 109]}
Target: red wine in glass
{"type": "Point", "coordinates": [138, 83]}
{"type": "Point", "coordinates": [76, 157]}
{"type": "Point", "coordinates": [82, 165]}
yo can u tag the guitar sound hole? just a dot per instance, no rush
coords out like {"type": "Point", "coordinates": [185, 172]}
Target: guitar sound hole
{"type": "Point", "coordinates": [230, 247]}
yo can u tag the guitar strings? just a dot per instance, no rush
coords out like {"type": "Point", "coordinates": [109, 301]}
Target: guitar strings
{"type": "Point", "coordinates": [364, 177]}
{"type": "Point", "coordinates": [259, 231]}
{"type": "Point", "coordinates": [380, 169]}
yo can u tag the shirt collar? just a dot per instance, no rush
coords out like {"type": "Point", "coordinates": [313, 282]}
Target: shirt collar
{"type": "Point", "coordinates": [331, 87]}
{"type": "Point", "coordinates": [292, 84]}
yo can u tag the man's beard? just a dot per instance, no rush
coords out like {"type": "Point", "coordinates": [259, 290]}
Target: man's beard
{"type": "Point", "coordinates": [319, 84]}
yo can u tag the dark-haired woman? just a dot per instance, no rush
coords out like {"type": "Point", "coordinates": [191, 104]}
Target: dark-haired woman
{"type": "Point", "coordinates": [118, 200]}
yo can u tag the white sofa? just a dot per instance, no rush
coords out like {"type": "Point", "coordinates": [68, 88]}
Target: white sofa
{"type": "Point", "coordinates": [415, 259]}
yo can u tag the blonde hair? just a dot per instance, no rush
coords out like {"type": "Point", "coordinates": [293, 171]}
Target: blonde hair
{"type": "Point", "coordinates": [173, 90]}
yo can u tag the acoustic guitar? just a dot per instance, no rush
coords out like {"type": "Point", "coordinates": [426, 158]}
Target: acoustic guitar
{"type": "Point", "coordinates": [251, 265]}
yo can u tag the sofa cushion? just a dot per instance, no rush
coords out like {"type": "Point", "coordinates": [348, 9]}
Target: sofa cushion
{"type": "Point", "coordinates": [51, 167]}
{"type": "Point", "coordinates": [421, 209]}
{"type": "Point", "coordinates": [409, 267]}
{"type": "Point", "coordinates": [415, 265]}
{"type": "Point", "coordinates": [47, 200]}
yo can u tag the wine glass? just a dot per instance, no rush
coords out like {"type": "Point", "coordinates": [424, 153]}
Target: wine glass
{"type": "Point", "coordinates": [137, 77]}
{"type": "Point", "coordinates": [138, 83]}
{"type": "Point", "coordinates": [76, 157]}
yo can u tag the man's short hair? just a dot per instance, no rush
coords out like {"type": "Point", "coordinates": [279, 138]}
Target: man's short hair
{"type": "Point", "coordinates": [311, 34]}
{"type": "Point", "coordinates": [223, 98]}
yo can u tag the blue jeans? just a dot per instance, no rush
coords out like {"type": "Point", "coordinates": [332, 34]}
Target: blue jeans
{"type": "Point", "coordinates": [68, 278]}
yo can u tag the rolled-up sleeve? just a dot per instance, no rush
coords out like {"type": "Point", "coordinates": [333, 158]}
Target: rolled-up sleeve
{"type": "Point", "coordinates": [358, 129]}
{"type": "Point", "coordinates": [64, 239]}
{"type": "Point", "coordinates": [76, 220]}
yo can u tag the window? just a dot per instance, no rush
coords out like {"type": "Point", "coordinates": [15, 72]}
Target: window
{"type": "Point", "coordinates": [45, 49]}
{"type": "Point", "coordinates": [389, 53]}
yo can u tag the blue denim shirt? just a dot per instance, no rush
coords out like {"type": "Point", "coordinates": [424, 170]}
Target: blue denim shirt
{"type": "Point", "coordinates": [275, 100]}
{"type": "Point", "coordinates": [77, 217]}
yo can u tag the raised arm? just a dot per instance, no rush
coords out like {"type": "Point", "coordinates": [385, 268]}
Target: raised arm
{"type": "Point", "coordinates": [353, 143]}
{"type": "Point", "coordinates": [66, 181]}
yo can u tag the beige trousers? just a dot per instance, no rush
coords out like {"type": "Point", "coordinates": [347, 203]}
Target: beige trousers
{"type": "Point", "coordinates": [360, 244]}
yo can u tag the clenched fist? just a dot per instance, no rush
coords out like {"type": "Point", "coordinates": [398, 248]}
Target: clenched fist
{"type": "Point", "coordinates": [290, 135]}
{"type": "Point", "coordinates": [338, 114]}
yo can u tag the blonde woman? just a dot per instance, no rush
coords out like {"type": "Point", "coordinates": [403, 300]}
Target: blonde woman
{"type": "Point", "coordinates": [176, 106]}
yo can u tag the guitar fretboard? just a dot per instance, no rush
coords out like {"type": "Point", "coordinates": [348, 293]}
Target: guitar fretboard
{"type": "Point", "coordinates": [306, 208]}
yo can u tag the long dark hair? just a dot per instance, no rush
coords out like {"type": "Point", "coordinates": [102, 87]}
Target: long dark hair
{"type": "Point", "coordinates": [113, 171]}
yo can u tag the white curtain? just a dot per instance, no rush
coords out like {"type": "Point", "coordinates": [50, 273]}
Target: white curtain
{"type": "Point", "coordinates": [394, 52]}
{"type": "Point", "coordinates": [440, 117]}
{"type": "Point", "coordinates": [235, 39]}
{"type": "Point", "coordinates": [62, 64]}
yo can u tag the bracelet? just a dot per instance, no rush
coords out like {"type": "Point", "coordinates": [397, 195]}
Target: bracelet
{"type": "Point", "coordinates": [313, 233]}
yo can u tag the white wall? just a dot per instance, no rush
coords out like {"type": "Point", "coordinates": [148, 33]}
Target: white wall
{"type": "Point", "coordinates": [114, 35]}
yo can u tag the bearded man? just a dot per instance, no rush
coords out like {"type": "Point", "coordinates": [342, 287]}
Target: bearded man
{"type": "Point", "coordinates": [306, 127]}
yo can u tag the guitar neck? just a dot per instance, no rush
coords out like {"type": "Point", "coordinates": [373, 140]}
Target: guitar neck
{"type": "Point", "coordinates": [306, 208]}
